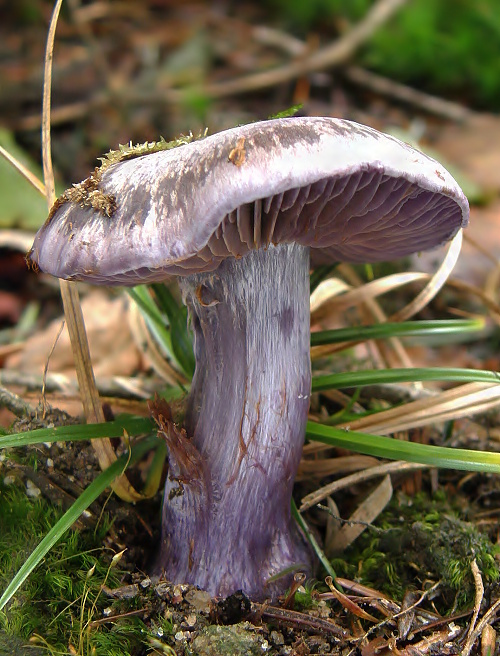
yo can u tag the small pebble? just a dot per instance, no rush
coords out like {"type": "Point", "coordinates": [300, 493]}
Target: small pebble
{"type": "Point", "coordinates": [162, 590]}
{"type": "Point", "coordinates": [32, 490]}
{"type": "Point", "coordinates": [191, 620]}
{"type": "Point", "coordinates": [181, 636]}
{"type": "Point", "coordinates": [200, 600]}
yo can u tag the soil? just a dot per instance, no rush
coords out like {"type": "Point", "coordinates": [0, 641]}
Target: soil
{"type": "Point", "coordinates": [313, 619]}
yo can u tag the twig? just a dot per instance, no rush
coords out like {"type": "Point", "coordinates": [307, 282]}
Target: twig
{"type": "Point", "coordinates": [46, 367]}
{"type": "Point", "coordinates": [351, 522]}
{"type": "Point", "coordinates": [386, 87]}
{"type": "Point", "coordinates": [301, 620]}
{"type": "Point", "coordinates": [328, 57]}
{"type": "Point", "coordinates": [48, 171]}
{"type": "Point", "coordinates": [117, 386]}
{"type": "Point", "coordinates": [488, 618]}
{"type": "Point", "coordinates": [119, 616]}
{"type": "Point", "coordinates": [270, 36]}
{"type": "Point", "coordinates": [478, 583]}
{"type": "Point", "coordinates": [466, 287]}
{"type": "Point", "coordinates": [64, 113]}
{"type": "Point", "coordinates": [401, 613]}
{"type": "Point", "coordinates": [394, 393]}
{"type": "Point", "coordinates": [435, 624]}
{"type": "Point", "coordinates": [360, 477]}
{"type": "Point", "coordinates": [481, 248]}
{"type": "Point", "coordinates": [15, 404]}
{"type": "Point", "coordinates": [25, 172]}
{"type": "Point", "coordinates": [360, 76]}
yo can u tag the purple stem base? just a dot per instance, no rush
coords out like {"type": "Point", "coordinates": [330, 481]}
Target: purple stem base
{"type": "Point", "coordinates": [226, 523]}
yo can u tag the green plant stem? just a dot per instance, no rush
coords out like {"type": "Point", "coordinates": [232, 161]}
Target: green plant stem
{"type": "Point", "coordinates": [314, 544]}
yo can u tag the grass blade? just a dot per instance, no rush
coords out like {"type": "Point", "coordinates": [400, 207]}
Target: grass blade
{"type": "Point", "coordinates": [392, 449]}
{"type": "Point", "coordinates": [406, 375]}
{"type": "Point", "coordinates": [313, 542]}
{"type": "Point", "coordinates": [402, 329]}
{"type": "Point", "coordinates": [182, 345]}
{"type": "Point", "coordinates": [133, 426]}
{"type": "Point", "coordinates": [150, 311]}
{"type": "Point", "coordinates": [165, 311]}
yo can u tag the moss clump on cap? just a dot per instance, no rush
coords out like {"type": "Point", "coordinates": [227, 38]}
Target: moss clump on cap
{"type": "Point", "coordinates": [87, 194]}
{"type": "Point", "coordinates": [130, 151]}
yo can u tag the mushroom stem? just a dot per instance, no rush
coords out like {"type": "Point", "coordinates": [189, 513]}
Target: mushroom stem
{"type": "Point", "coordinates": [227, 522]}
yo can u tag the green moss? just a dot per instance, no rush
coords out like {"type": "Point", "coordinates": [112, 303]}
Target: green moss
{"type": "Point", "coordinates": [87, 194]}
{"type": "Point", "coordinates": [130, 151]}
{"type": "Point", "coordinates": [304, 597]}
{"type": "Point", "coordinates": [422, 539]}
{"type": "Point", "coordinates": [122, 637]}
{"type": "Point", "coordinates": [57, 604]}
{"type": "Point", "coordinates": [441, 46]}
{"type": "Point", "coordinates": [286, 113]}
{"type": "Point", "coordinates": [235, 640]}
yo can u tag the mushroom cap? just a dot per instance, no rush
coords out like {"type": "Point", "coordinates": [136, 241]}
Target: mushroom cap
{"type": "Point", "coordinates": [346, 190]}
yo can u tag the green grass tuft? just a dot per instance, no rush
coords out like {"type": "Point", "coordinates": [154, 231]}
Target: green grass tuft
{"type": "Point", "coordinates": [60, 598]}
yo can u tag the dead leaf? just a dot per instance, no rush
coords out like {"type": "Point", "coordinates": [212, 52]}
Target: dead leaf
{"type": "Point", "coordinates": [366, 513]}
{"type": "Point", "coordinates": [112, 348]}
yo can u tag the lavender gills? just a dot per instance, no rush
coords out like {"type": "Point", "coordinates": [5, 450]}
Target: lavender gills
{"type": "Point", "coordinates": [226, 521]}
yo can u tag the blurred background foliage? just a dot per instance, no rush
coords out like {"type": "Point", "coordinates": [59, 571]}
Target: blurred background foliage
{"type": "Point", "coordinates": [134, 71]}
{"type": "Point", "coordinates": [447, 47]}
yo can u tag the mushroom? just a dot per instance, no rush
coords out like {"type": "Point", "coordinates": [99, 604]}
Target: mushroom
{"type": "Point", "coordinates": [236, 216]}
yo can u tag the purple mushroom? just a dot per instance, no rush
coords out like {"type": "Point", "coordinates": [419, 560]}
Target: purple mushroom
{"type": "Point", "coordinates": [237, 216]}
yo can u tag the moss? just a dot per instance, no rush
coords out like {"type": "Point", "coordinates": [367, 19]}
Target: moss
{"type": "Point", "coordinates": [441, 46]}
{"type": "Point", "coordinates": [87, 194]}
{"type": "Point", "coordinates": [228, 641]}
{"type": "Point", "coordinates": [131, 151]}
{"type": "Point", "coordinates": [422, 540]}
{"type": "Point", "coordinates": [55, 607]}
{"type": "Point", "coordinates": [448, 546]}
{"type": "Point", "coordinates": [306, 596]}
